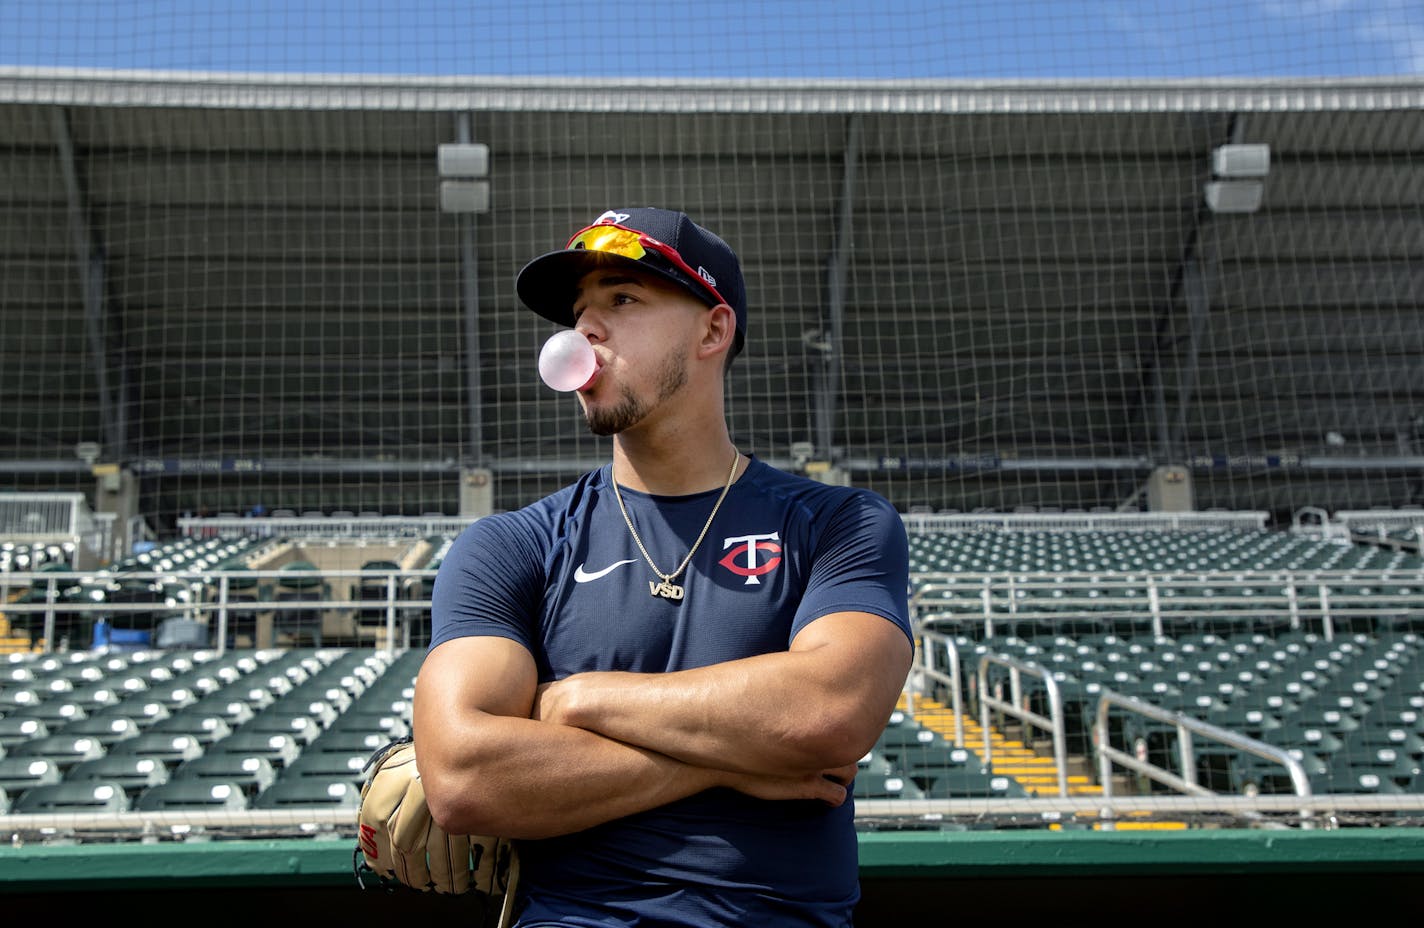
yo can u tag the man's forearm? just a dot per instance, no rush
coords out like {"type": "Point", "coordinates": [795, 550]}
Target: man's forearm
{"type": "Point", "coordinates": [518, 778]}
{"type": "Point", "coordinates": [532, 779]}
{"type": "Point", "coordinates": [758, 715]}
{"type": "Point", "coordinates": [815, 707]}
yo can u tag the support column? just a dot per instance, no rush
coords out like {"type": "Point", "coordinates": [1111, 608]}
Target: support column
{"type": "Point", "coordinates": [476, 491]}
{"type": "Point", "coordinates": [1169, 489]}
{"type": "Point", "coordinates": [116, 491]}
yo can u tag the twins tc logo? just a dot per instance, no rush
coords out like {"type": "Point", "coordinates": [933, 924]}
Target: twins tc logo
{"type": "Point", "coordinates": [743, 559]}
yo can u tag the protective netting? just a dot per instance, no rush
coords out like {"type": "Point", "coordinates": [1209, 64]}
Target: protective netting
{"type": "Point", "coordinates": [1043, 256]}
{"type": "Point", "coordinates": [998, 256]}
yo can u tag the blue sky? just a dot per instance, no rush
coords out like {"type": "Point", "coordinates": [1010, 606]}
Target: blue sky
{"type": "Point", "coordinates": [1030, 39]}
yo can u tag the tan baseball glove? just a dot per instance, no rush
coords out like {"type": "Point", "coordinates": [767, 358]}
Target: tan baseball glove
{"type": "Point", "coordinates": [402, 846]}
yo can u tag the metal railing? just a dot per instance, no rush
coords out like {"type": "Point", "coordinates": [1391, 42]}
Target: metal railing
{"type": "Point", "coordinates": [1185, 726]}
{"type": "Point", "coordinates": [1155, 601]}
{"type": "Point", "coordinates": [322, 526]}
{"type": "Point", "coordinates": [1017, 707]}
{"type": "Point", "coordinates": [928, 668]}
{"type": "Point", "coordinates": [938, 667]}
{"type": "Point", "coordinates": [29, 517]}
{"type": "Point", "coordinates": [929, 523]}
{"type": "Point", "coordinates": [211, 597]}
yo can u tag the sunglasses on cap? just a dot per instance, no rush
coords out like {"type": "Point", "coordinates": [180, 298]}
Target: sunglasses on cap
{"type": "Point", "coordinates": [630, 243]}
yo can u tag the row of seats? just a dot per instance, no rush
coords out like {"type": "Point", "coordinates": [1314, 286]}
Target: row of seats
{"type": "Point", "coordinates": [19, 556]}
{"type": "Point", "coordinates": [1214, 550]}
{"type": "Point", "coordinates": [282, 728]}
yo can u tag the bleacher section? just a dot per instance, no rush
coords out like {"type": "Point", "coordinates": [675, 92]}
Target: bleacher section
{"type": "Point", "coordinates": [1306, 640]}
{"type": "Point", "coordinates": [1353, 707]}
{"type": "Point", "coordinates": [183, 730]}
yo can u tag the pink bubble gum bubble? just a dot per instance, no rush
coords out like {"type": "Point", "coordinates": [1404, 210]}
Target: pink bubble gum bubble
{"type": "Point", "coordinates": [567, 361]}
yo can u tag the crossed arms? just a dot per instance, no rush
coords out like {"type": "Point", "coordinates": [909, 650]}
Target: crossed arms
{"type": "Point", "coordinates": [501, 755]}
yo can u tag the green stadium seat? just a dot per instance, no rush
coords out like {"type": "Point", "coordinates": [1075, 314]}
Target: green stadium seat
{"type": "Point", "coordinates": [392, 725]}
{"type": "Point", "coordinates": [300, 581]}
{"type": "Point", "coordinates": [1296, 733]}
{"type": "Point", "coordinates": [253, 772]}
{"type": "Point", "coordinates": [62, 750]}
{"type": "Point", "coordinates": [134, 772]}
{"type": "Point", "coordinates": [196, 794]}
{"type": "Point", "coordinates": [925, 766]}
{"type": "Point", "coordinates": [971, 783]}
{"type": "Point", "coordinates": [329, 764]}
{"type": "Point", "coordinates": [872, 785]}
{"type": "Point", "coordinates": [1353, 779]}
{"type": "Point", "coordinates": [19, 773]}
{"type": "Point", "coordinates": [234, 710]}
{"type": "Point", "coordinates": [140, 710]}
{"type": "Point", "coordinates": [56, 713]}
{"type": "Point", "coordinates": [1389, 762]}
{"type": "Point", "coordinates": [310, 792]}
{"type": "Point", "coordinates": [171, 749]}
{"type": "Point", "coordinates": [279, 748]}
{"type": "Point", "coordinates": [345, 742]}
{"type": "Point", "coordinates": [302, 726]}
{"type": "Point", "coordinates": [82, 796]}
{"type": "Point", "coordinates": [371, 593]}
{"type": "Point", "coordinates": [17, 728]}
{"type": "Point", "coordinates": [205, 727]}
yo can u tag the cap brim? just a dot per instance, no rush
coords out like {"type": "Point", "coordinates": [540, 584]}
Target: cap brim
{"type": "Point", "coordinates": [549, 283]}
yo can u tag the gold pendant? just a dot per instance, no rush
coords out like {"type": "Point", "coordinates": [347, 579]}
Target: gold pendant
{"type": "Point", "coordinates": [666, 589]}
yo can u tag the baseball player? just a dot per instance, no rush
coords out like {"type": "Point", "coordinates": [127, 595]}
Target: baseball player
{"type": "Point", "coordinates": [655, 683]}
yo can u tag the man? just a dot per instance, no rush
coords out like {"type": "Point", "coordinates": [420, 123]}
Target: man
{"type": "Point", "coordinates": [658, 680]}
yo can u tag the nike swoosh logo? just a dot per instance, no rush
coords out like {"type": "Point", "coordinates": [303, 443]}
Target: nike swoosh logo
{"type": "Point", "coordinates": [583, 576]}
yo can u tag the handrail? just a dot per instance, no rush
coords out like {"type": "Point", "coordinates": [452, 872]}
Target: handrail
{"type": "Point", "coordinates": [1151, 598]}
{"type": "Point", "coordinates": [929, 667]}
{"type": "Point", "coordinates": [1186, 725]}
{"type": "Point", "coordinates": [1012, 706]}
{"type": "Point", "coordinates": [921, 522]}
{"type": "Point", "coordinates": [195, 584]}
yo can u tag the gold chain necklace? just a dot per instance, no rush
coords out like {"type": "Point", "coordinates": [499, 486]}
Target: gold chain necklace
{"type": "Point", "coordinates": [667, 589]}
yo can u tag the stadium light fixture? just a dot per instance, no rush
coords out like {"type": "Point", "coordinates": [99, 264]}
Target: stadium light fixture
{"type": "Point", "coordinates": [463, 167]}
{"type": "Point", "coordinates": [1234, 162]}
{"type": "Point", "coordinates": [1234, 196]}
{"type": "Point", "coordinates": [1238, 184]}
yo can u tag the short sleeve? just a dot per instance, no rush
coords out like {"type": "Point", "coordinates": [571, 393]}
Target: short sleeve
{"type": "Point", "coordinates": [861, 564]}
{"type": "Point", "coordinates": [489, 583]}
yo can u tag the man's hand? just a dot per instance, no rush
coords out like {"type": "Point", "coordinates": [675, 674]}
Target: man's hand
{"type": "Point", "coordinates": [829, 786]}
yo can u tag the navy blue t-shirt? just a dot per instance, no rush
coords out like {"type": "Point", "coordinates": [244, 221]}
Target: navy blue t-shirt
{"type": "Point", "coordinates": [565, 578]}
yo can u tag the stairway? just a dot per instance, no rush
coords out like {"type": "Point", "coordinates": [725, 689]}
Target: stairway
{"type": "Point", "coordinates": [13, 641]}
{"type": "Point", "coordinates": [1034, 771]}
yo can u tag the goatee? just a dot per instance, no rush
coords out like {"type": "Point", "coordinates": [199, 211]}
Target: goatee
{"type": "Point", "coordinates": [630, 410]}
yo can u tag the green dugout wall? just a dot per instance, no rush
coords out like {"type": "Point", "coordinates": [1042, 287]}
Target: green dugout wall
{"type": "Point", "coordinates": [919, 878]}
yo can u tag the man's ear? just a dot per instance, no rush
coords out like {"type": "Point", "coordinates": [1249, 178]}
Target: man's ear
{"type": "Point", "coordinates": [720, 332]}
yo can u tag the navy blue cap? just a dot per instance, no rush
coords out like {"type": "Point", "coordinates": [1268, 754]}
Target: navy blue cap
{"type": "Point", "coordinates": [548, 283]}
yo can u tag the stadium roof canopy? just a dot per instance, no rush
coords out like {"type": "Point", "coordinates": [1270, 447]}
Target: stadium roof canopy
{"type": "Point", "coordinates": [965, 294]}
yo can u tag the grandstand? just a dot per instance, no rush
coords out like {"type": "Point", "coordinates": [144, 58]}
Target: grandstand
{"type": "Point", "coordinates": [1158, 452]}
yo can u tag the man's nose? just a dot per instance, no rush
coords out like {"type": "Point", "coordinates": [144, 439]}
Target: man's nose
{"type": "Point", "coordinates": [590, 327]}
